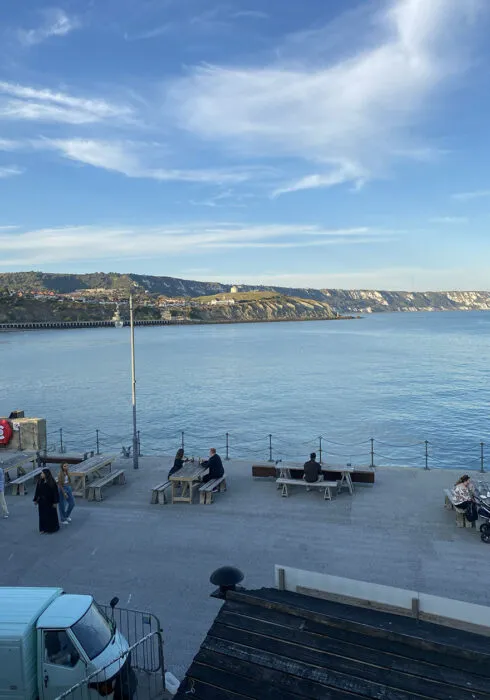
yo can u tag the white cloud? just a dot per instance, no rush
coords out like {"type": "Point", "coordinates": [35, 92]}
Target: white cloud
{"type": "Point", "coordinates": [10, 171]}
{"type": "Point", "coordinates": [20, 102]}
{"type": "Point", "coordinates": [9, 145]}
{"type": "Point", "coordinates": [91, 243]}
{"type": "Point", "coordinates": [131, 159]}
{"type": "Point", "coordinates": [359, 110]}
{"type": "Point", "coordinates": [340, 173]}
{"type": "Point", "coordinates": [56, 23]}
{"type": "Point", "coordinates": [448, 220]}
{"type": "Point", "coordinates": [467, 196]}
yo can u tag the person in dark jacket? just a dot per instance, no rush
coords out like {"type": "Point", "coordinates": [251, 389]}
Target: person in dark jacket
{"type": "Point", "coordinates": [178, 462]}
{"type": "Point", "coordinates": [312, 469]}
{"type": "Point", "coordinates": [215, 466]}
{"type": "Point", "coordinates": [46, 498]}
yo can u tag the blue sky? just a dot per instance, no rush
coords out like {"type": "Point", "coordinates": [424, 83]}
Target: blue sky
{"type": "Point", "coordinates": [316, 143]}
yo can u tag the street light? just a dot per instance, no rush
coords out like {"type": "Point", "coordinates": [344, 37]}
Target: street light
{"type": "Point", "coordinates": [133, 385]}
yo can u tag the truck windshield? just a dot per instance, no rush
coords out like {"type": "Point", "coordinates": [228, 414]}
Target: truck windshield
{"type": "Point", "coordinates": [93, 632]}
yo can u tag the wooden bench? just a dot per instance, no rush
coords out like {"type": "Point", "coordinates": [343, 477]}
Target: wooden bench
{"type": "Point", "coordinates": [449, 502]}
{"type": "Point", "coordinates": [95, 487]}
{"type": "Point", "coordinates": [19, 485]}
{"type": "Point", "coordinates": [264, 470]}
{"type": "Point", "coordinates": [207, 490]}
{"type": "Point", "coordinates": [159, 493]}
{"type": "Point", "coordinates": [327, 486]}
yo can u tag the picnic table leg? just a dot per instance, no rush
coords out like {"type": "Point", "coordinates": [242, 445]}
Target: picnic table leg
{"type": "Point", "coordinates": [285, 490]}
{"type": "Point", "coordinates": [328, 494]}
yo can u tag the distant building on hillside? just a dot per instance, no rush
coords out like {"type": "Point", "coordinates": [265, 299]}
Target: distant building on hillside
{"type": "Point", "coordinates": [234, 289]}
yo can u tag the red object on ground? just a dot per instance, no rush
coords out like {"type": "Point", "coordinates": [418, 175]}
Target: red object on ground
{"type": "Point", "coordinates": [5, 432]}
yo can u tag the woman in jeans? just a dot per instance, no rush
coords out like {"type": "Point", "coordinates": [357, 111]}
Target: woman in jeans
{"type": "Point", "coordinates": [67, 502]}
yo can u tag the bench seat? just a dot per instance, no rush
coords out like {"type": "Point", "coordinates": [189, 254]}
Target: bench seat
{"type": "Point", "coordinates": [449, 502]}
{"type": "Point", "coordinates": [19, 485]}
{"type": "Point", "coordinates": [207, 490]}
{"type": "Point", "coordinates": [95, 487]}
{"type": "Point", "coordinates": [159, 493]}
{"type": "Point", "coordinates": [327, 486]}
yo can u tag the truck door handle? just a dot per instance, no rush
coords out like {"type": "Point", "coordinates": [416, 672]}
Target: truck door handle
{"type": "Point", "coordinates": [46, 679]}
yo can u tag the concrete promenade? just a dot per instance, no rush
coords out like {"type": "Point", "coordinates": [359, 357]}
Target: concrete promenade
{"type": "Point", "coordinates": [159, 558]}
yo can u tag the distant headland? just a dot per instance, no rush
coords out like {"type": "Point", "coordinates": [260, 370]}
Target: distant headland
{"type": "Point", "coordinates": [37, 297]}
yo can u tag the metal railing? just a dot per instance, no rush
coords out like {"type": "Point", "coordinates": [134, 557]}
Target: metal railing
{"type": "Point", "coordinates": [370, 451]}
{"type": "Point", "coordinates": [141, 677]}
{"type": "Point", "coordinates": [134, 624]}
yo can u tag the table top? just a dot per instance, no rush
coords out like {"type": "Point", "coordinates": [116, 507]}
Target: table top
{"type": "Point", "coordinates": [482, 488]}
{"type": "Point", "coordinates": [92, 464]}
{"type": "Point", "coordinates": [189, 472]}
{"type": "Point", "coordinates": [9, 459]}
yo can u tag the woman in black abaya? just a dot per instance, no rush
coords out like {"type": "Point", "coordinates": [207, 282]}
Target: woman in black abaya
{"type": "Point", "coordinates": [46, 498]}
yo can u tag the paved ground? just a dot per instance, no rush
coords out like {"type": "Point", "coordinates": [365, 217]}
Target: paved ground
{"type": "Point", "coordinates": [159, 558]}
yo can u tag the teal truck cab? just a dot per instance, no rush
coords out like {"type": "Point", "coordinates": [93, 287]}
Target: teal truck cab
{"type": "Point", "coordinates": [50, 641]}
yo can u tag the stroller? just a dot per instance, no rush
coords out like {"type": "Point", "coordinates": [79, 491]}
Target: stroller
{"type": "Point", "coordinates": [483, 514]}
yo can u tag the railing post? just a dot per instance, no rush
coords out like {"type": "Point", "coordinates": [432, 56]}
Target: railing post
{"type": "Point", "coordinates": [97, 441]}
{"type": "Point", "coordinates": [372, 452]}
{"type": "Point", "coordinates": [482, 467]}
{"type": "Point", "coordinates": [61, 440]}
{"type": "Point", "coordinates": [270, 448]}
{"type": "Point", "coordinates": [139, 444]}
{"type": "Point", "coordinates": [426, 454]}
{"type": "Point", "coordinates": [227, 447]}
{"type": "Point", "coordinates": [320, 448]}
{"type": "Point", "coordinates": [183, 440]}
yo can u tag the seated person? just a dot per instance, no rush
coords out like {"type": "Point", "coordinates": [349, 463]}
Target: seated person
{"type": "Point", "coordinates": [313, 470]}
{"type": "Point", "coordinates": [215, 466]}
{"type": "Point", "coordinates": [59, 648]}
{"type": "Point", "coordinates": [464, 499]}
{"type": "Point", "coordinates": [463, 493]}
{"type": "Point", "coordinates": [178, 462]}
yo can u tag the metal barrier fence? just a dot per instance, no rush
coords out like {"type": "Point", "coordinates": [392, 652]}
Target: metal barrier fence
{"type": "Point", "coordinates": [270, 447]}
{"type": "Point", "coordinates": [135, 625]}
{"type": "Point", "coordinates": [141, 677]}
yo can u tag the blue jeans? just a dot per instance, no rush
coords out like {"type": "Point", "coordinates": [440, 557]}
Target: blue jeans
{"type": "Point", "coordinates": [66, 505]}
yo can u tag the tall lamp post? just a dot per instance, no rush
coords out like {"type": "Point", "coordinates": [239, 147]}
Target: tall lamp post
{"type": "Point", "coordinates": [133, 386]}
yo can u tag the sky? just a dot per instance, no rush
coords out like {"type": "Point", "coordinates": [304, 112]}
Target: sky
{"type": "Point", "coordinates": [318, 143]}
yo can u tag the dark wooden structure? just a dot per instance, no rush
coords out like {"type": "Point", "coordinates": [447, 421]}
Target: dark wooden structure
{"type": "Point", "coordinates": [365, 475]}
{"type": "Point", "coordinates": [277, 645]}
{"type": "Point", "coordinates": [68, 458]}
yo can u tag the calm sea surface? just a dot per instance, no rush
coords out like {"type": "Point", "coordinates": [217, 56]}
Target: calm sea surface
{"type": "Point", "coordinates": [399, 378]}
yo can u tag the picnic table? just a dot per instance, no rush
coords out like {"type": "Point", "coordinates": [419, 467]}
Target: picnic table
{"type": "Point", "coordinates": [16, 464]}
{"type": "Point", "coordinates": [88, 470]}
{"type": "Point", "coordinates": [345, 471]}
{"type": "Point", "coordinates": [186, 479]}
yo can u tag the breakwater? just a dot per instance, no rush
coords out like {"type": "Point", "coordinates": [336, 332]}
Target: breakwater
{"type": "Point", "coordinates": [51, 325]}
